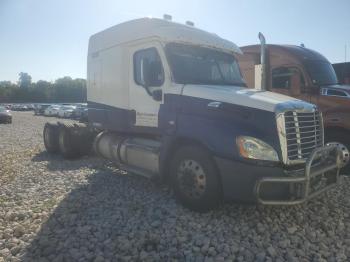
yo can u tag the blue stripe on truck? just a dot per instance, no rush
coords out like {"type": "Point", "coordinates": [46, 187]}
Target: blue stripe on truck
{"type": "Point", "coordinates": [190, 117]}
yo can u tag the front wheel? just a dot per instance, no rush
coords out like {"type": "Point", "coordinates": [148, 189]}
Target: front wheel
{"type": "Point", "coordinates": [341, 137]}
{"type": "Point", "coordinates": [195, 179]}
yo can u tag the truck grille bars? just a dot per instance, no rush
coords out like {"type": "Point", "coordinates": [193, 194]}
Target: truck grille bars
{"type": "Point", "coordinates": [303, 133]}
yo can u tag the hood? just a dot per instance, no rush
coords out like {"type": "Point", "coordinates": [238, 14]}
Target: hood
{"type": "Point", "coordinates": [264, 100]}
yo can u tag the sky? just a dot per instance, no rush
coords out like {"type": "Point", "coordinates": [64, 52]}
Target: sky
{"type": "Point", "coordinates": [49, 38]}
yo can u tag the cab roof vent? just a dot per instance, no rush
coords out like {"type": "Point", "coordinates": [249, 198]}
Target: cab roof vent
{"type": "Point", "coordinates": [167, 17]}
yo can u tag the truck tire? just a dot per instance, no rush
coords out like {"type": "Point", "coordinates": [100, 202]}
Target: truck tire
{"type": "Point", "coordinates": [50, 135]}
{"type": "Point", "coordinates": [85, 139]}
{"type": "Point", "coordinates": [74, 140]}
{"type": "Point", "coordinates": [341, 137]}
{"type": "Point", "coordinates": [67, 142]}
{"type": "Point", "coordinates": [195, 179]}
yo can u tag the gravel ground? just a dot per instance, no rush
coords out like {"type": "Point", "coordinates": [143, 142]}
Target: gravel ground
{"type": "Point", "coordinates": [86, 210]}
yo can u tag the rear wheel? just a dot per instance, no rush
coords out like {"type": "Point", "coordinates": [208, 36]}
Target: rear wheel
{"type": "Point", "coordinates": [50, 135]}
{"type": "Point", "coordinates": [195, 179]}
{"type": "Point", "coordinates": [67, 143]}
{"type": "Point", "coordinates": [341, 137]}
{"type": "Point", "coordinates": [74, 141]}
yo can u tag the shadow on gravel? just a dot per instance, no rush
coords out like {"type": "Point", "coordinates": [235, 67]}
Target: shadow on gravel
{"type": "Point", "coordinates": [101, 219]}
{"type": "Point", "coordinates": [55, 162]}
{"type": "Point", "coordinates": [121, 217]}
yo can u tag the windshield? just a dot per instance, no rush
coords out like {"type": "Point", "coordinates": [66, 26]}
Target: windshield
{"type": "Point", "coordinates": [199, 65]}
{"type": "Point", "coordinates": [321, 73]}
{"type": "Point", "coordinates": [2, 109]}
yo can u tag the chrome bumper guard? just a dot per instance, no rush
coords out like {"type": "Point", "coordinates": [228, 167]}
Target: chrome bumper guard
{"type": "Point", "coordinates": [322, 160]}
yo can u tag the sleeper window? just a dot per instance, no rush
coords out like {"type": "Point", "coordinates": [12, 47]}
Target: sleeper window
{"type": "Point", "coordinates": [282, 77]}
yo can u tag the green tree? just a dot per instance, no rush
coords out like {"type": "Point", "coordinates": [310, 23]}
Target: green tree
{"type": "Point", "coordinates": [41, 91]}
{"type": "Point", "coordinates": [24, 80]}
{"type": "Point", "coordinates": [64, 89]}
{"type": "Point", "coordinates": [68, 90]}
{"type": "Point", "coordinates": [6, 90]}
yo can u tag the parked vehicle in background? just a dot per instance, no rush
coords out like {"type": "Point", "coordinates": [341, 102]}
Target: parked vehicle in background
{"type": "Point", "coordinates": [78, 111]}
{"type": "Point", "coordinates": [30, 107]}
{"type": "Point", "coordinates": [22, 107]}
{"type": "Point", "coordinates": [307, 75]}
{"type": "Point", "coordinates": [15, 107]}
{"type": "Point", "coordinates": [52, 110]}
{"type": "Point", "coordinates": [19, 107]}
{"type": "Point", "coordinates": [66, 111]}
{"type": "Point", "coordinates": [168, 101]}
{"type": "Point", "coordinates": [40, 109]}
{"type": "Point", "coordinates": [84, 116]}
{"type": "Point", "coordinates": [5, 115]}
{"type": "Point", "coordinates": [343, 72]}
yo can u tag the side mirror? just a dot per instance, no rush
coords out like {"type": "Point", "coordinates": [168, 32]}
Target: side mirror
{"type": "Point", "coordinates": [157, 94]}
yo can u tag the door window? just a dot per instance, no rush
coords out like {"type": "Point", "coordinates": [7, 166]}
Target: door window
{"type": "Point", "coordinates": [333, 92]}
{"type": "Point", "coordinates": [148, 69]}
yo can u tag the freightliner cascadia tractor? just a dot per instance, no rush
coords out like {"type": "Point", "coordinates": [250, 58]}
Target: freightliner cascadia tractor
{"type": "Point", "coordinates": [168, 101]}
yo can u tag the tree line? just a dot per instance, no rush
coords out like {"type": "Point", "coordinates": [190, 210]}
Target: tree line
{"type": "Point", "coordinates": [63, 90]}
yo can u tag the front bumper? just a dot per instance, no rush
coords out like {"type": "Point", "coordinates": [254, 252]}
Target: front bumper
{"type": "Point", "coordinates": [277, 186]}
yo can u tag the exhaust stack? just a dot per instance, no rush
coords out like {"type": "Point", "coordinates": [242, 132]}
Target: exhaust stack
{"type": "Point", "coordinates": [263, 61]}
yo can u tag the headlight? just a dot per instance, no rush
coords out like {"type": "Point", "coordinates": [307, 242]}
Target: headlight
{"type": "Point", "coordinates": [250, 147]}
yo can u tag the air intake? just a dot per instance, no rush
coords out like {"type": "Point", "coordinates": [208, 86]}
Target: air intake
{"type": "Point", "coordinates": [303, 133]}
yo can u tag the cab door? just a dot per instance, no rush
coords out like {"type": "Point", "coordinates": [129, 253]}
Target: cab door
{"type": "Point", "coordinates": [146, 83]}
{"type": "Point", "coordinates": [334, 105]}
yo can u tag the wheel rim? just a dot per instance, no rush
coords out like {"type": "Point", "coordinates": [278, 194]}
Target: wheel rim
{"type": "Point", "coordinates": [345, 153]}
{"type": "Point", "coordinates": [191, 178]}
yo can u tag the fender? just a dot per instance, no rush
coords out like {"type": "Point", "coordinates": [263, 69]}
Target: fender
{"type": "Point", "coordinates": [214, 128]}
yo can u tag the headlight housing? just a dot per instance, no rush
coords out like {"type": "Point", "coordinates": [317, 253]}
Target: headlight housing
{"type": "Point", "coordinates": [253, 148]}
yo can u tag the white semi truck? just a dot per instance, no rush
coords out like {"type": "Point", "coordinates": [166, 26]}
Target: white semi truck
{"type": "Point", "coordinates": [168, 101]}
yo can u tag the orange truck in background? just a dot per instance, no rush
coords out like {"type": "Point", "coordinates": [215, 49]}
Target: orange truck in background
{"type": "Point", "coordinates": [343, 72]}
{"type": "Point", "coordinates": [304, 74]}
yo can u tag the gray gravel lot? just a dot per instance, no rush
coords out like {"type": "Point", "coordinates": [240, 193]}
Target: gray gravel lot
{"type": "Point", "coordinates": [53, 209]}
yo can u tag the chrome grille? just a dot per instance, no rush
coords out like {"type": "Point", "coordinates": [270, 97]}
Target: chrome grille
{"type": "Point", "coordinates": [304, 133]}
